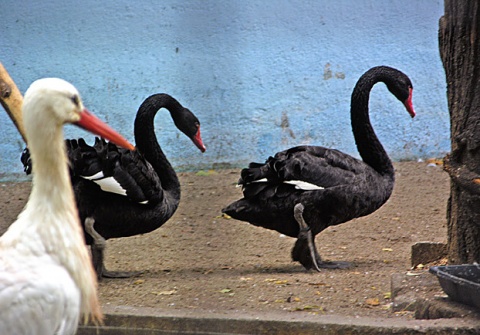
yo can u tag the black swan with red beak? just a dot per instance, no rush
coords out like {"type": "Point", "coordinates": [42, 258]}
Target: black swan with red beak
{"type": "Point", "coordinates": [120, 192]}
{"type": "Point", "coordinates": [303, 190]}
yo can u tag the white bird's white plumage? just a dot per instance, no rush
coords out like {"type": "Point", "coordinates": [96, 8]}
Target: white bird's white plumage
{"type": "Point", "coordinates": [47, 281]}
{"type": "Point", "coordinates": [299, 184]}
{"type": "Point", "coordinates": [37, 298]}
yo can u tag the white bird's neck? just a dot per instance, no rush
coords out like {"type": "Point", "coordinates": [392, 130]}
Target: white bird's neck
{"type": "Point", "coordinates": [55, 217]}
{"type": "Point", "coordinates": [50, 175]}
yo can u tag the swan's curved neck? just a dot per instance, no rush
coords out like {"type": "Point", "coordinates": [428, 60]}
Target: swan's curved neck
{"type": "Point", "coordinates": [368, 145]}
{"type": "Point", "coordinates": [147, 143]}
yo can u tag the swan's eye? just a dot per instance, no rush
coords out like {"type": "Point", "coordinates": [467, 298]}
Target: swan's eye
{"type": "Point", "coordinates": [75, 99]}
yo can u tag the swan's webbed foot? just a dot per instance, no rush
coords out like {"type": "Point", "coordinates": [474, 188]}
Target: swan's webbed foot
{"type": "Point", "coordinates": [98, 250]}
{"type": "Point", "coordinates": [304, 250]}
{"type": "Point", "coordinates": [119, 274]}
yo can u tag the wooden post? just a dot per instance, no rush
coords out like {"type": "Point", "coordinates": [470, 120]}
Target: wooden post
{"type": "Point", "coordinates": [12, 100]}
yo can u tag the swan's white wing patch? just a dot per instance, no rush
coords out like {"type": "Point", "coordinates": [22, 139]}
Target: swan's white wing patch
{"type": "Point", "coordinates": [299, 185]}
{"type": "Point", "coordinates": [303, 185]}
{"type": "Point", "coordinates": [109, 184]}
{"type": "Point", "coordinates": [264, 180]}
{"type": "Point", "coordinates": [97, 175]}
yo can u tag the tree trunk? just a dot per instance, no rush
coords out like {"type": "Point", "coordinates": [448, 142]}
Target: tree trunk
{"type": "Point", "coordinates": [459, 39]}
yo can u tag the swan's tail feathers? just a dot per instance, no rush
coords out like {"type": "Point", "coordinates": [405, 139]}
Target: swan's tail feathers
{"type": "Point", "coordinates": [234, 208]}
{"type": "Point", "coordinates": [255, 165]}
{"type": "Point", "coordinates": [253, 189]}
{"type": "Point", "coordinates": [253, 173]}
{"type": "Point", "coordinates": [249, 175]}
{"type": "Point", "coordinates": [243, 210]}
{"type": "Point", "coordinates": [229, 209]}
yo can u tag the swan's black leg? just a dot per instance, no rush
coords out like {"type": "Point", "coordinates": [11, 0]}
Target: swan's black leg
{"type": "Point", "coordinates": [98, 252]}
{"type": "Point", "coordinates": [310, 258]}
{"type": "Point", "coordinates": [304, 250]}
{"type": "Point", "coordinates": [97, 247]}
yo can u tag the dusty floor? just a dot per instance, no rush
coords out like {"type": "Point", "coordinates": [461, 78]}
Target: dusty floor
{"type": "Point", "coordinates": [201, 260]}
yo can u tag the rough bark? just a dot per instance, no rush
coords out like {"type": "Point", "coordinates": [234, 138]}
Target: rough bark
{"type": "Point", "coordinates": [459, 40]}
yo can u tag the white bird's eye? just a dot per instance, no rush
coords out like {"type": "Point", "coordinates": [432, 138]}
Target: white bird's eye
{"type": "Point", "coordinates": [75, 99]}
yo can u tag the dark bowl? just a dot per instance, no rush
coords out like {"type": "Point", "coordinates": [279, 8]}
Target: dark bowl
{"type": "Point", "coordinates": [460, 282]}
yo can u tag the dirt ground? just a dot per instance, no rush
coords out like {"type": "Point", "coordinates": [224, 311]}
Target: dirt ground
{"type": "Point", "coordinates": [201, 260]}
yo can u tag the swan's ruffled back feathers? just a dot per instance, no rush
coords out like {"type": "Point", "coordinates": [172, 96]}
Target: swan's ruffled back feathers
{"type": "Point", "coordinates": [312, 164]}
{"type": "Point", "coordinates": [113, 169]}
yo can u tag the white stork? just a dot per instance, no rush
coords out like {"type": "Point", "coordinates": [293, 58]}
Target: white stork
{"type": "Point", "coordinates": [47, 281]}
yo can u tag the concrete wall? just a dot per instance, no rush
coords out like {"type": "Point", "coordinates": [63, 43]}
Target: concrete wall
{"type": "Point", "coordinates": [261, 75]}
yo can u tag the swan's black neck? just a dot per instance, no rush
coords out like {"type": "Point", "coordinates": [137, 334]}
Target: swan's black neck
{"type": "Point", "coordinates": [368, 145]}
{"type": "Point", "coordinates": [147, 143]}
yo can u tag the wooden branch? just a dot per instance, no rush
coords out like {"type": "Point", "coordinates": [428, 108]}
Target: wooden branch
{"type": "Point", "coordinates": [461, 176]}
{"type": "Point", "coordinates": [12, 100]}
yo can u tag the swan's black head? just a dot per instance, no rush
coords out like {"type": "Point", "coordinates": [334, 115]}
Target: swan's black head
{"type": "Point", "coordinates": [183, 118]}
{"type": "Point", "coordinates": [400, 86]}
{"type": "Point", "coordinates": [188, 124]}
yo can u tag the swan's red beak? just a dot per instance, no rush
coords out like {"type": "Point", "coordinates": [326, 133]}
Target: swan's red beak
{"type": "Point", "coordinates": [90, 122]}
{"type": "Point", "coordinates": [409, 104]}
{"type": "Point", "coordinates": [197, 140]}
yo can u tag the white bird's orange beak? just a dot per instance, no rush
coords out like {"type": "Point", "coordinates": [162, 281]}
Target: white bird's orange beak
{"type": "Point", "coordinates": [90, 122]}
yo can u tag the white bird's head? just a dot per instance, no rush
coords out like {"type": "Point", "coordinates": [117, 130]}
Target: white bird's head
{"type": "Point", "coordinates": [54, 96]}
{"type": "Point", "coordinates": [54, 100]}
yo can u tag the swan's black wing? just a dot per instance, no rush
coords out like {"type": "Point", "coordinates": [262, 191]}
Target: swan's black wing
{"type": "Point", "coordinates": [113, 169]}
{"type": "Point", "coordinates": [309, 164]}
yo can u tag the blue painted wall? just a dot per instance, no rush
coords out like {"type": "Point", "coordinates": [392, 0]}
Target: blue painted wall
{"type": "Point", "coordinates": [261, 75]}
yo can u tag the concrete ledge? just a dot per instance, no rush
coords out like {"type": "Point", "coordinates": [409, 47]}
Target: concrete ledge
{"type": "Point", "coordinates": [443, 308]}
{"type": "Point", "coordinates": [421, 293]}
{"type": "Point", "coordinates": [143, 321]}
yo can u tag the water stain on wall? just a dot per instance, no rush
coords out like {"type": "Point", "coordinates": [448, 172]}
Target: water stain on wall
{"type": "Point", "coordinates": [328, 74]}
{"type": "Point", "coordinates": [285, 124]}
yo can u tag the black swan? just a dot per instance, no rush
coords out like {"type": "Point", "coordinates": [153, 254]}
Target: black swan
{"type": "Point", "coordinates": [303, 190]}
{"type": "Point", "coordinates": [123, 193]}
